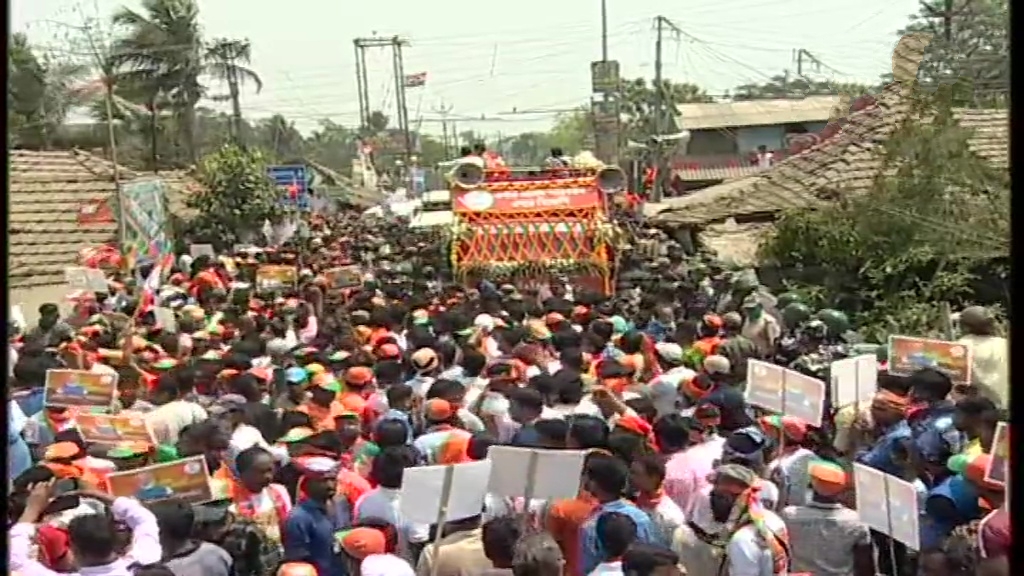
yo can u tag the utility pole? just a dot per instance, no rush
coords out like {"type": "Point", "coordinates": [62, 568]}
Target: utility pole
{"type": "Point", "coordinates": [660, 110]}
{"type": "Point", "coordinates": [443, 111]}
{"type": "Point", "coordinates": [396, 44]}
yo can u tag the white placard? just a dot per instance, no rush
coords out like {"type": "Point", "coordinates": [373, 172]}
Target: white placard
{"type": "Point", "coordinates": [535, 473]}
{"type": "Point", "coordinates": [197, 250]}
{"type": "Point", "coordinates": [423, 491]}
{"type": "Point", "coordinates": [166, 319]}
{"type": "Point", "coordinates": [887, 504]}
{"type": "Point", "coordinates": [854, 380]}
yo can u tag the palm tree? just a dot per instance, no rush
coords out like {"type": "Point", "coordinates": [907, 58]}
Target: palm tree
{"type": "Point", "coordinates": [224, 60]}
{"type": "Point", "coordinates": [163, 43]}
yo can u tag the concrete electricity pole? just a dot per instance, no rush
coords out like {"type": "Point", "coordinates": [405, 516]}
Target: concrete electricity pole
{"type": "Point", "coordinates": [396, 44]}
{"type": "Point", "coordinates": [660, 110]}
{"type": "Point", "coordinates": [443, 111]}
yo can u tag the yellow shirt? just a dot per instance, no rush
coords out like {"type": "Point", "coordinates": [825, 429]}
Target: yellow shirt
{"type": "Point", "coordinates": [974, 448]}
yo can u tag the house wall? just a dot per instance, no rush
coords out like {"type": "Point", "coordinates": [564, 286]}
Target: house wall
{"type": "Point", "coordinates": [748, 139]}
{"type": "Point", "coordinates": [30, 299]}
{"type": "Point", "coordinates": [711, 142]}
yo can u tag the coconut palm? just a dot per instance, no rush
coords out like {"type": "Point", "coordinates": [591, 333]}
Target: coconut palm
{"type": "Point", "coordinates": [163, 44]}
{"type": "Point", "coordinates": [224, 62]}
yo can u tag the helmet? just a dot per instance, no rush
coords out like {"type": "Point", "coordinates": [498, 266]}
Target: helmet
{"type": "Point", "coordinates": [836, 321]}
{"type": "Point", "coordinates": [795, 314]}
{"type": "Point", "coordinates": [786, 299]}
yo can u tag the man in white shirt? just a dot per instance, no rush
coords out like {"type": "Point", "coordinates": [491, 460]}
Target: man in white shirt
{"type": "Point", "coordinates": [384, 501]}
{"type": "Point", "coordinates": [752, 549]}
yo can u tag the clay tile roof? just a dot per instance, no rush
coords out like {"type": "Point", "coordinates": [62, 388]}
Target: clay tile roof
{"type": "Point", "coordinates": [846, 163]}
{"type": "Point", "coordinates": [47, 190]}
{"type": "Point", "coordinates": [179, 185]}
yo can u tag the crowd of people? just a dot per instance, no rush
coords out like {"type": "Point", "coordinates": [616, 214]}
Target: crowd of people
{"type": "Point", "coordinates": [308, 403]}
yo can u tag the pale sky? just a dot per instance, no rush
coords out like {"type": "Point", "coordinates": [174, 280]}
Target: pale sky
{"type": "Point", "coordinates": [534, 55]}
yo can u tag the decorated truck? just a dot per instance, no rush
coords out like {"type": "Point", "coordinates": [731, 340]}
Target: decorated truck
{"type": "Point", "coordinates": [534, 225]}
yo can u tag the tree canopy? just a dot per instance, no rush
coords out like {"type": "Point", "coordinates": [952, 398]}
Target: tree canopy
{"type": "Point", "coordinates": [925, 234]}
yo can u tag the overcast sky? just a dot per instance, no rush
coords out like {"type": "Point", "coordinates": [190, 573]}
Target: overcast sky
{"type": "Point", "coordinates": [534, 55]}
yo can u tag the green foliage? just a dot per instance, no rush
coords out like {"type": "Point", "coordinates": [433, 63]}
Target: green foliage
{"type": "Point", "coordinates": [892, 256]}
{"type": "Point", "coordinates": [784, 86]}
{"type": "Point", "coordinates": [970, 47]}
{"type": "Point", "coordinates": [235, 199]}
{"type": "Point", "coordinates": [638, 103]}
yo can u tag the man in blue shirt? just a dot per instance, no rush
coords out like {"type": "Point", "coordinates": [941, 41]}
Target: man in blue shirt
{"type": "Point", "coordinates": [887, 411]}
{"type": "Point", "coordinates": [605, 477]}
{"type": "Point", "coordinates": [309, 531]}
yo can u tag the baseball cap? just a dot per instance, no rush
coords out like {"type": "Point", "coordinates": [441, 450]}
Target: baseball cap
{"type": "Point", "coordinates": [228, 403]}
{"type": "Point", "coordinates": [484, 321]}
{"type": "Point", "coordinates": [295, 375]}
{"type": "Point", "coordinates": [669, 352]}
{"type": "Point", "coordinates": [437, 410]}
{"type": "Point", "coordinates": [361, 542]}
{"type": "Point", "coordinates": [314, 369]}
{"type": "Point", "coordinates": [389, 352]}
{"type": "Point", "coordinates": [327, 382]}
{"type": "Point", "coordinates": [358, 376]}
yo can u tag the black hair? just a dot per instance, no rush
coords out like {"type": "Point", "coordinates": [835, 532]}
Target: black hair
{"type": "Point", "coordinates": [642, 559]}
{"type": "Point", "coordinates": [930, 384]}
{"type": "Point", "coordinates": [615, 533]}
{"type": "Point", "coordinates": [93, 536]}
{"type": "Point", "coordinates": [527, 397]}
{"type": "Point", "coordinates": [446, 389]}
{"type": "Point", "coordinates": [388, 373]}
{"type": "Point", "coordinates": [672, 432]}
{"type": "Point", "coordinates": [589, 432]}
{"type": "Point", "coordinates": [499, 537]}
{"type": "Point", "coordinates": [398, 394]}
{"type": "Point", "coordinates": [295, 419]}
{"type": "Point", "coordinates": [552, 430]}
{"type": "Point", "coordinates": [479, 444]}
{"type": "Point", "coordinates": [609, 473]}
{"type": "Point", "coordinates": [652, 464]}
{"type": "Point", "coordinates": [175, 518]}
{"type": "Point", "coordinates": [389, 466]}
{"type": "Point", "coordinates": [473, 362]}
{"type": "Point", "coordinates": [390, 432]}
{"type": "Point", "coordinates": [246, 458]}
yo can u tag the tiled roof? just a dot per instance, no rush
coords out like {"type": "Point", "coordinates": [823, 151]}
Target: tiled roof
{"type": "Point", "coordinates": [735, 243]}
{"type": "Point", "coordinates": [47, 190]}
{"type": "Point", "coordinates": [179, 185]}
{"type": "Point", "coordinates": [716, 173]}
{"type": "Point", "coordinates": [847, 163]}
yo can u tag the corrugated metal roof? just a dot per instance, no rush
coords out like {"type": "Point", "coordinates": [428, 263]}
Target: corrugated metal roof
{"type": "Point", "coordinates": [755, 112]}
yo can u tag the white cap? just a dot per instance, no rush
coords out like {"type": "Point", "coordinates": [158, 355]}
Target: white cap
{"type": "Point", "coordinates": [484, 321]}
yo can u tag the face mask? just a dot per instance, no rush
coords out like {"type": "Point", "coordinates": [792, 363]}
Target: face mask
{"type": "Point", "coordinates": [721, 506]}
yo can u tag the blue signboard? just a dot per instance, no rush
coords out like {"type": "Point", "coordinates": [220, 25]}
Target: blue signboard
{"type": "Point", "coordinates": [288, 177]}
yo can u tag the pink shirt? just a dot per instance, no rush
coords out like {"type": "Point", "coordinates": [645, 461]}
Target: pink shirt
{"type": "Point", "coordinates": [686, 473]}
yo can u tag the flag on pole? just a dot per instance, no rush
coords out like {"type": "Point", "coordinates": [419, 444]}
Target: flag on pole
{"type": "Point", "coordinates": [416, 80]}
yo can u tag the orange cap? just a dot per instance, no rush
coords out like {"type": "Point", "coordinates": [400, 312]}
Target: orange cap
{"type": "Point", "coordinates": [362, 542]}
{"type": "Point", "coordinates": [437, 409]}
{"type": "Point", "coordinates": [358, 376]}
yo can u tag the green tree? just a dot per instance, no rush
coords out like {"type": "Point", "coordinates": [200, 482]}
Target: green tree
{"type": "Point", "coordinates": [785, 86]}
{"type": "Point", "coordinates": [225, 61]}
{"type": "Point", "coordinates": [638, 102]}
{"type": "Point", "coordinates": [969, 47]}
{"type": "Point", "coordinates": [891, 256]}
{"type": "Point", "coordinates": [40, 93]}
{"type": "Point", "coordinates": [235, 199]}
{"type": "Point", "coordinates": [163, 43]}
